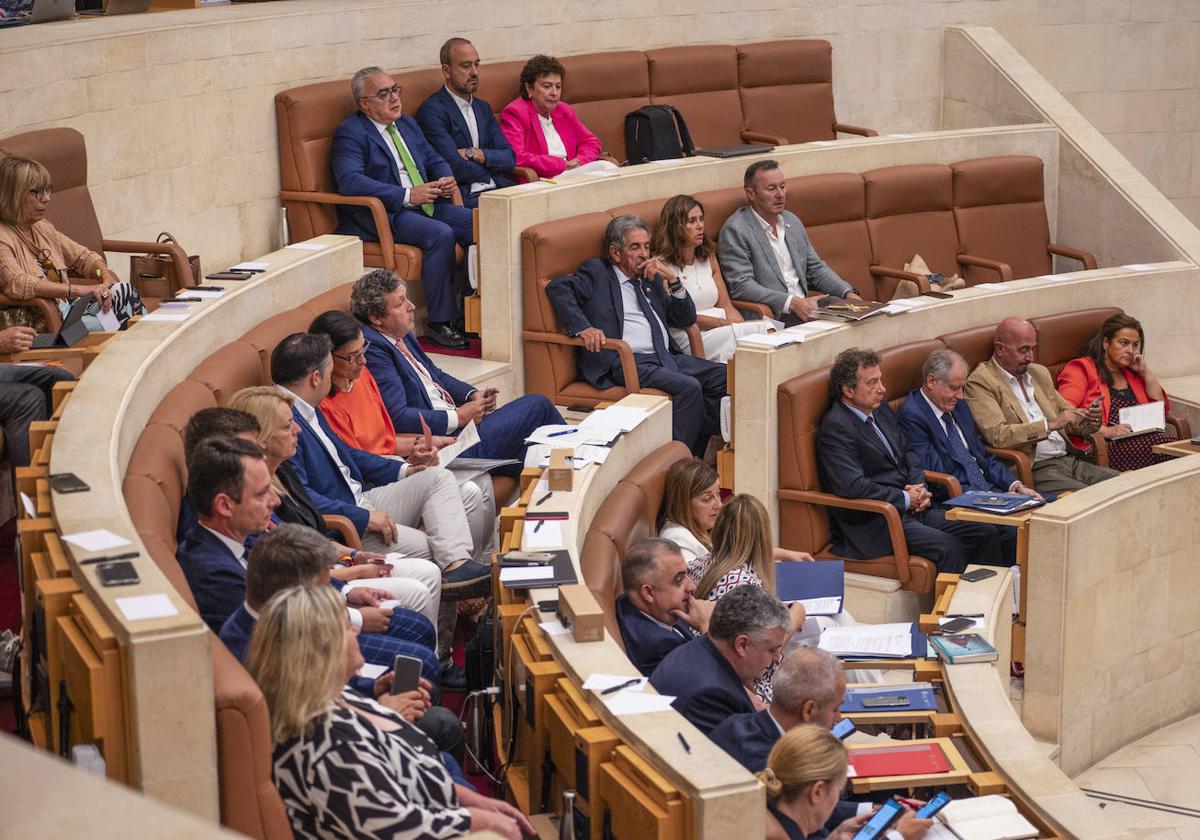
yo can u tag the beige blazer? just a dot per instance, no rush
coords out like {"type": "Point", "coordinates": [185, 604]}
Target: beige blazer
{"type": "Point", "coordinates": [1001, 418]}
{"type": "Point", "coordinates": [19, 269]}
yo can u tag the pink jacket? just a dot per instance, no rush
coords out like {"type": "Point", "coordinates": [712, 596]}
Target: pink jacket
{"type": "Point", "coordinates": [519, 122]}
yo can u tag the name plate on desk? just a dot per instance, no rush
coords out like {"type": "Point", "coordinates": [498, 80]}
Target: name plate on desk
{"type": "Point", "coordinates": [579, 611]}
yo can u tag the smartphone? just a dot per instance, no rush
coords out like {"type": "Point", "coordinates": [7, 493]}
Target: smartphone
{"type": "Point", "coordinates": [582, 409]}
{"type": "Point", "coordinates": [1096, 403]}
{"type": "Point", "coordinates": [976, 575]}
{"type": "Point", "coordinates": [940, 295]}
{"type": "Point", "coordinates": [407, 670]}
{"type": "Point", "coordinates": [117, 573]}
{"type": "Point", "coordinates": [934, 805]}
{"type": "Point", "coordinates": [531, 558]}
{"type": "Point", "coordinates": [67, 483]}
{"type": "Point", "coordinates": [878, 825]}
{"type": "Point", "coordinates": [957, 625]}
{"type": "Point", "coordinates": [843, 729]}
{"type": "Point", "coordinates": [886, 701]}
{"type": "Point", "coordinates": [548, 606]}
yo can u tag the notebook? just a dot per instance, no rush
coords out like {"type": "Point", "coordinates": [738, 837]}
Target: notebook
{"type": "Point", "coordinates": [903, 760]}
{"type": "Point", "coordinates": [562, 570]}
{"type": "Point", "coordinates": [735, 151]}
{"type": "Point", "coordinates": [994, 502]}
{"type": "Point", "coordinates": [986, 818]}
{"type": "Point", "coordinates": [961, 648]}
{"type": "Point", "coordinates": [820, 585]}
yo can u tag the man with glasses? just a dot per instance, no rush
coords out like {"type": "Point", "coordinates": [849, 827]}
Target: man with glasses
{"type": "Point", "coordinates": [1016, 406]}
{"type": "Point", "coordinates": [378, 151]}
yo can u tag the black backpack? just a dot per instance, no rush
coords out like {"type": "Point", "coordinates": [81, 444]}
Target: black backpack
{"type": "Point", "coordinates": [656, 132]}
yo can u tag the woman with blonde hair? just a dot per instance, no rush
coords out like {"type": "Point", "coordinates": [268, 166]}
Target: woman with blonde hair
{"type": "Point", "coordinates": [345, 766]}
{"type": "Point", "coordinates": [37, 261]}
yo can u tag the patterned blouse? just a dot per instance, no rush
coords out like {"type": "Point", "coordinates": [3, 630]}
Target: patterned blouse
{"type": "Point", "coordinates": [347, 778]}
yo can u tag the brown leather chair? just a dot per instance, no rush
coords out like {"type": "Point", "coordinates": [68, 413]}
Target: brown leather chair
{"type": "Point", "coordinates": [833, 210]}
{"type": "Point", "coordinates": [603, 88]}
{"type": "Point", "coordinates": [629, 512]}
{"type": "Point", "coordinates": [64, 153]}
{"type": "Point", "coordinates": [786, 89]}
{"type": "Point", "coordinates": [275, 329]}
{"type": "Point", "coordinates": [499, 84]}
{"type": "Point", "coordinates": [1000, 210]}
{"type": "Point", "coordinates": [910, 210]}
{"type": "Point", "coordinates": [702, 82]}
{"type": "Point", "coordinates": [226, 371]}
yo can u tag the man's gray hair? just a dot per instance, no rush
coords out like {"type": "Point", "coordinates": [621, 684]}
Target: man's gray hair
{"type": "Point", "coordinates": [619, 228]}
{"type": "Point", "coordinates": [940, 363]}
{"type": "Point", "coordinates": [807, 673]}
{"type": "Point", "coordinates": [748, 610]}
{"type": "Point", "coordinates": [641, 561]}
{"type": "Point", "coordinates": [368, 298]}
{"type": "Point", "coordinates": [356, 81]}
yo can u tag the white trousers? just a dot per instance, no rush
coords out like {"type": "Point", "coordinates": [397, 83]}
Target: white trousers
{"type": "Point", "coordinates": [415, 582]}
{"type": "Point", "coordinates": [431, 498]}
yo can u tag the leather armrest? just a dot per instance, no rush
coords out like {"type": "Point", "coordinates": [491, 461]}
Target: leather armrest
{"type": "Point", "coordinates": [628, 365]}
{"type": "Point", "coordinates": [46, 307]}
{"type": "Point", "coordinates": [1003, 269]}
{"type": "Point", "coordinates": [383, 227]}
{"type": "Point", "coordinates": [753, 306]}
{"type": "Point", "coordinates": [953, 488]}
{"type": "Point", "coordinates": [1101, 449]}
{"type": "Point", "coordinates": [526, 173]}
{"type": "Point", "coordinates": [854, 129]}
{"type": "Point", "coordinates": [345, 528]}
{"type": "Point", "coordinates": [1183, 430]}
{"type": "Point", "coordinates": [1019, 461]}
{"type": "Point", "coordinates": [894, 276]}
{"type": "Point", "coordinates": [1088, 260]}
{"type": "Point", "coordinates": [695, 341]}
{"type": "Point", "coordinates": [749, 136]}
{"type": "Point", "coordinates": [888, 512]}
{"type": "Point", "coordinates": [171, 249]}
{"type": "Point", "coordinates": [610, 158]}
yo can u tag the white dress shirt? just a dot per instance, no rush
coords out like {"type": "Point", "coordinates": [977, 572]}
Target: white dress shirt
{"type": "Point", "coordinates": [236, 548]}
{"type": "Point", "coordinates": [405, 181]}
{"type": "Point", "coordinates": [776, 235]}
{"type": "Point", "coordinates": [1053, 445]}
{"type": "Point", "coordinates": [310, 417]}
{"type": "Point", "coordinates": [636, 329]}
{"type": "Point", "coordinates": [436, 400]}
{"type": "Point", "coordinates": [554, 143]}
{"type": "Point", "coordinates": [468, 113]}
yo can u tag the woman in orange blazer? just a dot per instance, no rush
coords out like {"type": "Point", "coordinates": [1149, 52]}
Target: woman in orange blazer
{"type": "Point", "coordinates": [1115, 372]}
{"type": "Point", "coordinates": [544, 132]}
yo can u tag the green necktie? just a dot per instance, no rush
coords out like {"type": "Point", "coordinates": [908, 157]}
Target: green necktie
{"type": "Point", "coordinates": [409, 166]}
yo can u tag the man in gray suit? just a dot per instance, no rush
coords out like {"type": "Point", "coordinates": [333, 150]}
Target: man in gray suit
{"type": "Point", "coordinates": [765, 254]}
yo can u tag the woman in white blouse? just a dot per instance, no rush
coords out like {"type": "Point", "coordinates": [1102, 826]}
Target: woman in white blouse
{"type": "Point", "coordinates": [680, 242]}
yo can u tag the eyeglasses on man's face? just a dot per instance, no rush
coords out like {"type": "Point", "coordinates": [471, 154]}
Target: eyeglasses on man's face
{"type": "Point", "coordinates": [387, 93]}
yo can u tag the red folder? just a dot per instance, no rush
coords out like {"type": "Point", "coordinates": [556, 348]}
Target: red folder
{"type": "Point", "coordinates": [906, 760]}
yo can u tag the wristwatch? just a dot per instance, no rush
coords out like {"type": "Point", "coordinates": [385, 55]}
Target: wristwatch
{"type": "Point", "coordinates": [471, 154]}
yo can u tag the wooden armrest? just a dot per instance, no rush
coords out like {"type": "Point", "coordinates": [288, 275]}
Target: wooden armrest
{"type": "Point", "coordinates": [1019, 460]}
{"type": "Point", "coordinates": [695, 341]}
{"type": "Point", "coordinates": [1101, 449]}
{"type": "Point", "coordinates": [754, 306]}
{"type": "Point", "coordinates": [171, 249]}
{"type": "Point", "coordinates": [895, 275]}
{"type": "Point", "coordinates": [628, 365]}
{"type": "Point", "coordinates": [383, 228]}
{"type": "Point", "coordinates": [953, 488]}
{"type": "Point", "coordinates": [525, 172]}
{"type": "Point", "coordinates": [1088, 260]}
{"type": "Point", "coordinates": [1003, 269]}
{"type": "Point", "coordinates": [749, 136]}
{"type": "Point", "coordinates": [1183, 429]}
{"type": "Point", "coordinates": [345, 528]}
{"type": "Point", "coordinates": [892, 516]}
{"type": "Point", "coordinates": [854, 129]}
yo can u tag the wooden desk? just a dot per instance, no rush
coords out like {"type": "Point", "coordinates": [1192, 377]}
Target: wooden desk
{"type": "Point", "coordinates": [1177, 448]}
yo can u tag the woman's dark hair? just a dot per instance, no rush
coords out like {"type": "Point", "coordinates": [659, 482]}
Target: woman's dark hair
{"type": "Point", "coordinates": [670, 237]}
{"type": "Point", "coordinates": [1110, 327]}
{"type": "Point", "coordinates": [339, 327]}
{"type": "Point", "coordinates": [538, 66]}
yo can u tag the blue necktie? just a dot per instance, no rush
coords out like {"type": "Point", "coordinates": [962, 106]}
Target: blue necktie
{"type": "Point", "coordinates": [656, 333]}
{"type": "Point", "coordinates": [975, 477]}
{"type": "Point", "coordinates": [879, 433]}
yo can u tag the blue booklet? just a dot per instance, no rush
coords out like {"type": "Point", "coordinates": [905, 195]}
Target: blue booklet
{"type": "Point", "coordinates": [917, 697]}
{"type": "Point", "coordinates": [820, 585]}
{"type": "Point", "coordinates": [994, 502]}
{"type": "Point", "coordinates": [963, 647]}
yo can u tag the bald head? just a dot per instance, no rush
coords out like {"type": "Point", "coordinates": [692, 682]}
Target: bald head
{"type": "Point", "coordinates": [1015, 345]}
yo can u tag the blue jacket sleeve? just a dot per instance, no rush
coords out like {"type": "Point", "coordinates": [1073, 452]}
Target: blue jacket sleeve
{"type": "Point", "coordinates": [348, 157]}
{"type": "Point", "coordinates": [567, 295]}
{"type": "Point", "coordinates": [359, 516]}
{"type": "Point", "coordinates": [498, 151]}
{"type": "Point", "coordinates": [436, 124]}
{"type": "Point", "coordinates": [376, 469]}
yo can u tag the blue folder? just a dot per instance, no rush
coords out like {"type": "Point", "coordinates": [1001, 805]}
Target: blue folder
{"type": "Point", "coordinates": [993, 502]}
{"type": "Point", "coordinates": [921, 699]}
{"type": "Point", "coordinates": [819, 579]}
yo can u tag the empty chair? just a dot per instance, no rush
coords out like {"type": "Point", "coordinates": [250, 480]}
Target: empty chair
{"type": "Point", "coordinates": [833, 210]}
{"type": "Point", "coordinates": [702, 82]}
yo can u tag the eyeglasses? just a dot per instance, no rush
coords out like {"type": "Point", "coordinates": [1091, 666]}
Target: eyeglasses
{"type": "Point", "coordinates": [387, 93]}
{"type": "Point", "coordinates": [43, 193]}
{"type": "Point", "coordinates": [360, 356]}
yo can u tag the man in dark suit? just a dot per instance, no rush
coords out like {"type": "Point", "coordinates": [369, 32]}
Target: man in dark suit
{"type": "Point", "coordinates": [630, 296]}
{"type": "Point", "coordinates": [379, 152]}
{"type": "Point", "coordinates": [24, 394]}
{"type": "Point", "coordinates": [708, 676]}
{"type": "Point", "coordinates": [862, 454]}
{"type": "Point", "coordinates": [462, 127]}
{"type": "Point", "coordinates": [657, 613]}
{"type": "Point", "coordinates": [413, 388]}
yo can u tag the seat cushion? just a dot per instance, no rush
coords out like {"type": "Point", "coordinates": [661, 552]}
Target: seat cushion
{"type": "Point", "coordinates": [910, 210]}
{"type": "Point", "coordinates": [833, 210]}
{"type": "Point", "coordinates": [786, 89]}
{"type": "Point", "coordinates": [235, 366]}
{"type": "Point", "coordinates": [603, 88]}
{"type": "Point", "coordinates": [901, 368]}
{"type": "Point", "coordinates": [702, 83]}
{"type": "Point", "coordinates": [1062, 337]}
{"type": "Point", "coordinates": [974, 344]}
{"type": "Point", "coordinates": [1000, 210]}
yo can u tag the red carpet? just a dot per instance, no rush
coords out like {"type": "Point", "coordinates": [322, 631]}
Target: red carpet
{"type": "Point", "coordinates": [473, 351]}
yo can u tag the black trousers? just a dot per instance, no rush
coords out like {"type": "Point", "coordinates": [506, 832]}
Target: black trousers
{"type": "Point", "coordinates": [951, 544]}
{"type": "Point", "coordinates": [695, 389]}
{"type": "Point", "coordinates": [24, 398]}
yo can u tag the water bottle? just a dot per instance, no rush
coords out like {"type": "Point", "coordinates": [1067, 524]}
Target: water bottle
{"type": "Point", "coordinates": [566, 827]}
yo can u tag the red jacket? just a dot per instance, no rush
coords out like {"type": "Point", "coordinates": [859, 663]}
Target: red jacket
{"type": "Point", "coordinates": [1080, 384]}
{"type": "Point", "coordinates": [519, 122]}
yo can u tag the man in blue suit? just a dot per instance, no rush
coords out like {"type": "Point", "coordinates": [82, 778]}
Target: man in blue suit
{"type": "Point", "coordinates": [415, 389]}
{"type": "Point", "coordinates": [709, 676]}
{"type": "Point", "coordinates": [378, 151]}
{"type": "Point", "coordinates": [657, 613]}
{"type": "Point", "coordinates": [463, 129]}
{"type": "Point", "coordinates": [630, 296]}
{"type": "Point", "coordinates": [941, 431]}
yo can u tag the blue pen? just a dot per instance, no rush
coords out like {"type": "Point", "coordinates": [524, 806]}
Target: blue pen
{"type": "Point", "coordinates": [560, 434]}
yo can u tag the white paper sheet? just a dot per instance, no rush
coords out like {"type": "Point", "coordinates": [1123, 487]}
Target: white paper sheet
{"type": "Point", "coordinates": [810, 327]}
{"type": "Point", "coordinates": [109, 322]}
{"type": "Point", "coordinates": [1053, 278]}
{"type": "Point", "coordinates": [467, 438]}
{"type": "Point", "coordinates": [899, 136]}
{"type": "Point", "coordinates": [1144, 418]}
{"type": "Point", "coordinates": [577, 463]}
{"type": "Point", "coordinates": [822, 606]}
{"type": "Point", "coordinates": [308, 246]}
{"type": "Point", "coordinates": [30, 508]}
{"type": "Point", "coordinates": [372, 672]}
{"type": "Point", "coordinates": [98, 540]}
{"type": "Point", "coordinates": [599, 682]}
{"type": "Point", "coordinates": [837, 640]}
{"type": "Point", "coordinates": [776, 339]}
{"type": "Point", "coordinates": [637, 703]}
{"type": "Point", "coordinates": [1138, 267]}
{"type": "Point", "coordinates": [542, 487]}
{"type": "Point", "coordinates": [532, 186]}
{"type": "Point", "coordinates": [995, 286]}
{"type": "Point", "coordinates": [522, 574]}
{"type": "Point", "coordinates": [249, 266]}
{"type": "Point", "coordinates": [203, 294]}
{"type": "Point", "coordinates": [142, 607]}
{"type": "Point", "coordinates": [166, 316]}
{"type": "Point", "coordinates": [615, 417]}
{"type": "Point", "coordinates": [912, 302]}
{"type": "Point", "coordinates": [555, 628]}
{"type": "Point", "coordinates": [549, 535]}
{"type": "Point", "coordinates": [570, 437]}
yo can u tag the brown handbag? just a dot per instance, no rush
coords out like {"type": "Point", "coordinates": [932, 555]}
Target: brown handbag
{"type": "Point", "coordinates": [155, 276]}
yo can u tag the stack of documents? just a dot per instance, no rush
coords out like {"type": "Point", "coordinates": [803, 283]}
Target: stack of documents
{"type": "Point", "coordinates": [874, 641]}
{"type": "Point", "coordinates": [567, 437]}
{"type": "Point", "coordinates": [619, 417]}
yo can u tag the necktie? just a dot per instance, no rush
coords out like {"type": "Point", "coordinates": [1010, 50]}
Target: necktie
{"type": "Point", "coordinates": [656, 334]}
{"type": "Point", "coordinates": [409, 166]}
{"type": "Point", "coordinates": [873, 426]}
{"type": "Point", "coordinates": [423, 372]}
{"type": "Point", "coordinates": [960, 453]}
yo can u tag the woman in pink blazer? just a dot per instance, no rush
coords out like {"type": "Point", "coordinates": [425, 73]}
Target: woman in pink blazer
{"type": "Point", "coordinates": [544, 131]}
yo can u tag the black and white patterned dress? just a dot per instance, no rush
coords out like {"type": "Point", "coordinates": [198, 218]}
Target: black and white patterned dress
{"type": "Point", "coordinates": [346, 778]}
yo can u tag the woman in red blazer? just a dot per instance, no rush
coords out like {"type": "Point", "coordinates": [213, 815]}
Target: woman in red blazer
{"type": "Point", "coordinates": [544, 131]}
{"type": "Point", "coordinates": [1115, 371]}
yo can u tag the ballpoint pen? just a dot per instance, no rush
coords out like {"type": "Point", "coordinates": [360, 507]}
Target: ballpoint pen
{"type": "Point", "coordinates": [686, 746]}
{"type": "Point", "coordinates": [612, 689]}
{"type": "Point", "coordinates": [560, 434]}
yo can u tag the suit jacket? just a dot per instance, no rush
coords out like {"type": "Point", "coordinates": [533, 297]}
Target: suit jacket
{"type": "Point", "coordinates": [1001, 418]}
{"type": "Point", "coordinates": [323, 479]}
{"type": "Point", "coordinates": [927, 435]}
{"type": "Point", "coordinates": [404, 396]}
{"type": "Point", "coordinates": [853, 463]}
{"type": "Point", "coordinates": [296, 507]}
{"type": "Point", "coordinates": [519, 122]}
{"type": "Point", "coordinates": [446, 129]}
{"type": "Point", "coordinates": [748, 737]}
{"type": "Point", "coordinates": [591, 297]}
{"type": "Point", "coordinates": [751, 271]}
{"type": "Point", "coordinates": [705, 687]}
{"type": "Point", "coordinates": [646, 643]}
{"type": "Point", "coordinates": [1080, 384]}
{"type": "Point", "coordinates": [216, 578]}
{"type": "Point", "coordinates": [236, 632]}
{"type": "Point", "coordinates": [363, 165]}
